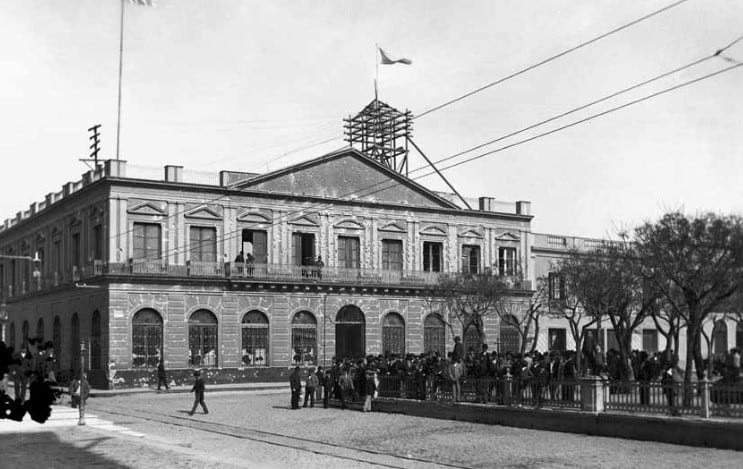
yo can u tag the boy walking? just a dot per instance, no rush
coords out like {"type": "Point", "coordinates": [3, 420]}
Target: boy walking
{"type": "Point", "coordinates": [198, 389]}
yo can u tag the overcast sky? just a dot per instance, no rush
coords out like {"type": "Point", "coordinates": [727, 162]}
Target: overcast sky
{"type": "Point", "coordinates": [236, 84]}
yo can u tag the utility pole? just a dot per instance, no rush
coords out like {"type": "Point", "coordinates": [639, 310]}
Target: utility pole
{"type": "Point", "coordinates": [81, 406]}
{"type": "Point", "coordinates": [95, 146]}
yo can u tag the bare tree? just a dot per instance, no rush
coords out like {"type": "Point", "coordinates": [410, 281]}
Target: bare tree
{"type": "Point", "coordinates": [470, 298]}
{"type": "Point", "coordinates": [524, 316]}
{"type": "Point", "coordinates": [697, 264]}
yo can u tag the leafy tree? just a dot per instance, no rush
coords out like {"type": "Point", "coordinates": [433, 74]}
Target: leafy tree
{"type": "Point", "coordinates": [696, 262]}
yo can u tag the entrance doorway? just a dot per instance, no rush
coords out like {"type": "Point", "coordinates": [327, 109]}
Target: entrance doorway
{"type": "Point", "coordinates": [350, 333]}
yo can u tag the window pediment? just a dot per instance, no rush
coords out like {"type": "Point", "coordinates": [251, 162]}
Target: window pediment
{"type": "Point", "coordinates": [253, 216]}
{"type": "Point", "coordinates": [203, 212]}
{"type": "Point", "coordinates": [435, 230]}
{"type": "Point", "coordinates": [349, 224]}
{"type": "Point", "coordinates": [305, 220]}
{"type": "Point", "coordinates": [394, 227]}
{"type": "Point", "coordinates": [147, 207]}
{"type": "Point", "coordinates": [507, 236]}
{"type": "Point", "coordinates": [470, 233]}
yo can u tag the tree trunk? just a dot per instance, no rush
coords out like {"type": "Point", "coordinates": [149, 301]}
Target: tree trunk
{"type": "Point", "coordinates": [690, 337]}
{"type": "Point", "coordinates": [698, 360]}
{"type": "Point", "coordinates": [626, 373]}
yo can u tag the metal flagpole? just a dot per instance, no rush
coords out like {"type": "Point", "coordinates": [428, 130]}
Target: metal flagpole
{"type": "Point", "coordinates": [121, 58]}
{"type": "Point", "coordinates": [376, 76]}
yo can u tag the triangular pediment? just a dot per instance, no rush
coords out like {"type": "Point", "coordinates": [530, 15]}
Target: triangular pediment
{"type": "Point", "coordinates": [435, 230]}
{"type": "Point", "coordinates": [507, 236]}
{"type": "Point", "coordinates": [394, 227]}
{"type": "Point", "coordinates": [470, 233]}
{"type": "Point", "coordinates": [146, 208]}
{"type": "Point", "coordinates": [349, 225]}
{"type": "Point", "coordinates": [304, 220]}
{"type": "Point", "coordinates": [203, 212]}
{"type": "Point", "coordinates": [254, 217]}
{"type": "Point", "coordinates": [348, 175]}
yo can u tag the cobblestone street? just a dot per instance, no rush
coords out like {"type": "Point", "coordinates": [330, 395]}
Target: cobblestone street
{"type": "Point", "coordinates": [259, 430]}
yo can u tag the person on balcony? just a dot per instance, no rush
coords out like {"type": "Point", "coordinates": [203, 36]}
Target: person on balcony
{"type": "Point", "coordinates": [249, 260]}
{"type": "Point", "coordinates": [319, 264]}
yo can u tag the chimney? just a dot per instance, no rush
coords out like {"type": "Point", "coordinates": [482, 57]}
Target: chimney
{"type": "Point", "coordinates": [173, 173]}
{"type": "Point", "coordinates": [523, 207]}
{"type": "Point", "coordinates": [486, 203]}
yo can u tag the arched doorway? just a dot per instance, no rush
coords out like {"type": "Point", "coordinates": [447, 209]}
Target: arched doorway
{"type": "Point", "coordinates": [147, 338]}
{"type": "Point", "coordinates": [509, 335]}
{"type": "Point", "coordinates": [393, 335]}
{"type": "Point", "coordinates": [350, 333]}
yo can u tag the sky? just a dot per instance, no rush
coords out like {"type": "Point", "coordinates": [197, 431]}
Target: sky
{"type": "Point", "coordinates": [255, 85]}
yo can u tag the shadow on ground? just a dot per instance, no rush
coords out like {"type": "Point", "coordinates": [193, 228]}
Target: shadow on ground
{"type": "Point", "coordinates": [45, 449]}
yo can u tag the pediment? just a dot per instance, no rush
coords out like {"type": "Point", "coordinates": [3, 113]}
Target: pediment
{"type": "Point", "coordinates": [305, 220]}
{"type": "Point", "coordinates": [394, 227]}
{"type": "Point", "coordinates": [75, 220]}
{"type": "Point", "coordinates": [349, 224]}
{"type": "Point", "coordinates": [146, 207]}
{"type": "Point", "coordinates": [254, 217]}
{"type": "Point", "coordinates": [347, 175]}
{"type": "Point", "coordinates": [508, 236]}
{"type": "Point", "coordinates": [203, 212]}
{"type": "Point", "coordinates": [470, 233]}
{"type": "Point", "coordinates": [434, 230]}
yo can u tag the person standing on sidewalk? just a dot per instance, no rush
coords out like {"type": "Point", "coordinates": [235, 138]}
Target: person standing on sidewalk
{"type": "Point", "coordinates": [309, 388]}
{"type": "Point", "coordinates": [198, 389]}
{"type": "Point", "coordinates": [80, 390]}
{"type": "Point", "coordinates": [295, 383]}
{"type": "Point", "coordinates": [162, 377]}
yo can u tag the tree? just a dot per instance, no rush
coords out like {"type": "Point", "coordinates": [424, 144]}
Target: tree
{"type": "Point", "coordinates": [564, 304]}
{"type": "Point", "coordinates": [525, 316]}
{"type": "Point", "coordinates": [472, 297]}
{"type": "Point", "coordinates": [696, 262]}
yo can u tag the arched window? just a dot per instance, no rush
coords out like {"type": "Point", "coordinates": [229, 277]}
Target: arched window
{"type": "Point", "coordinates": [95, 341]}
{"type": "Point", "coordinates": [509, 335]}
{"type": "Point", "coordinates": [393, 334]}
{"type": "Point", "coordinates": [434, 334]}
{"type": "Point", "coordinates": [202, 339]}
{"type": "Point", "coordinates": [350, 332]}
{"type": "Point", "coordinates": [147, 338]}
{"type": "Point", "coordinates": [12, 335]}
{"type": "Point", "coordinates": [472, 341]}
{"type": "Point", "coordinates": [24, 334]}
{"type": "Point", "coordinates": [57, 339]}
{"type": "Point", "coordinates": [40, 330]}
{"type": "Point", "coordinates": [255, 339]}
{"type": "Point", "coordinates": [75, 343]}
{"type": "Point", "coordinates": [720, 339]}
{"type": "Point", "coordinates": [739, 335]}
{"type": "Point", "coordinates": [304, 339]}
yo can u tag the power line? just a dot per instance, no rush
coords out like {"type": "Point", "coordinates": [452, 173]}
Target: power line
{"type": "Point", "coordinates": [552, 58]}
{"type": "Point", "coordinates": [326, 205]}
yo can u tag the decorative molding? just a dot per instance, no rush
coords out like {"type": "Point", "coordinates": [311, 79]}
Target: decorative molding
{"type": "Point", "coordinates": [255, 216]}
{"type": "Point", "coordinates": [203, 212]}
{"type": "Point", "coordinates": [147, 207]}
{"type": "Point", "coordinates": [507, 236]}
{"type": "Point", "coordinates": [470, 233]}
{"type": "Point", "coordinates": [395, 227]}
{"type": "Point", "coordinates": [349, 224]}
{"type": "Point", "coordinates": [434, 230]}
{"type": "Point", "coordinates": [305, 220]}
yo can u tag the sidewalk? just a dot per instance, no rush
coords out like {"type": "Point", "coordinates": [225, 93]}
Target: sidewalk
{"type": "Point", "coordinates": [270, 386]}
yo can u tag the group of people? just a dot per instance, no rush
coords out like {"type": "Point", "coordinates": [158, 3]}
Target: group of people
{"type": "Point", "coordinates": [343, 381]}
{"type": "Point", "coordinates": [312, 267]}
{"type": "Point", "coordinates": [34, 362]}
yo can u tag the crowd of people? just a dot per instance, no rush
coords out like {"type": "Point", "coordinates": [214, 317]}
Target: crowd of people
{"type": "Point", "coordinates": [34, 362]}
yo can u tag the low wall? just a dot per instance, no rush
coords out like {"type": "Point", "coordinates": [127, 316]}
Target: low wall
{"type": "Point", "coordinates": [674, 430]}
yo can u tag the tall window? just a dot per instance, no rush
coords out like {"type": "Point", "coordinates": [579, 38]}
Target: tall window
{"type": "Point", "coordinates": [391, 254]}
{"type": "Point", "coordinates": [304, 339]}
{"type": "Point", "coordinates": [650, 340]}
{"type": "Point", "coordinates": [434, 334]}
{"type": "Point", "coordinates": [95, 341]}
{"type": "Point", "coordinates": [557, 339]}
{"type": "Point", "coordinates": [147, 338]}
{"type": "Point", "coordinates": [611, 340]}
{"type": "Point", "coordinates": [470, 259]}
{"type": "Point", "coordinates": [75, 343]}
{"type": "Point", "coordinates": [2, 281]}
{"type": "Point", "coordinates": [556, 286]}
{"type": "Point", "coordinates": [98, 242]}
{"type": "Point", "coordinates": [203, 244]}
{"type": "Point", "coordinates": [25, 334]}
{"type": "Point", "coordinates": [472, 339]}
{"type": "Point", "coordinates": [255, 339]}
{"type": "Point", "coordinates": [202, 339]}
{"type": "Point", "coordinates": [255, 242]}
{"type": "Point", "coordinates": [739, 335]}
{"type": "Point", "coordinates": [40, 330]}
{"type": "Point", "coordinates": [303, 248]}
{"type": "Point", "coordinates": [432, 256]}
{"type": "Point", "coordinates": [393, 334]}
{"type": "Point", "coordinates": [507, 261]}
{"type": "Point", "coordinates": [146, 238]}
{"type": "Point", "coordinates": [720, 338]}
{"type": "Point", "coordinates": [57, 257]}
{"type": "Point", "coordinates": [348, 252]}
{"type": "Point", "coordinates": [12, 335]}
{"type": "Point", "coordinates": [76, 249]}
{"type": "Point", "coordinates": [509, 335]}
{"type": "Point", "coordinates": [57, 339]}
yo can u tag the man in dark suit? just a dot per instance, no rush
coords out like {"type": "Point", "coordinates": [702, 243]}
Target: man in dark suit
{"type": "Point", "coordinates": [198, 389]}
{"type": "Point", "coordinates": [458, 352]}
{"type": "Point", "coordinates": [295, 383]}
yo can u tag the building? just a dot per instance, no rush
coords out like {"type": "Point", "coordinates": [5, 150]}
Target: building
{"type": "Point", "coordinates": [139, 264]}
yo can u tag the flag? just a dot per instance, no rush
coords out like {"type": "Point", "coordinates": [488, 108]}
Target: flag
{"type": "Point", "coordinates": [386, 60]}
{"type": "Point", "coordinates": [144, 3]}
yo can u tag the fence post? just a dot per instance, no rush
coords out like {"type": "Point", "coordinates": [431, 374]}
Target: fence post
{"type": "Point", "coordinates": [507, 389]}
{"type": "Point", "coordinates": [705, 398]}
{"type": "Point", "coordinates": [592, 394]}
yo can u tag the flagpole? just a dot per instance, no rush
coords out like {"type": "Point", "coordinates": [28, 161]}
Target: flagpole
{"type": "Point", "coordinates": [121, 59]}
{"type": "Point", "coordinates": [376, 76]}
